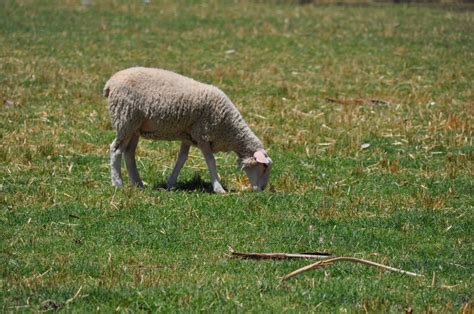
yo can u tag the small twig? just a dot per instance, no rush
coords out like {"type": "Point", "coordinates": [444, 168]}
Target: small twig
{"type": "Point", "coordinates": [329, 261]}
{"type": "Point", "coordinates": [343, 101]}
{"type": "Point", "coordinates": [359, 101]}
{"type": "Point", "coordinates": [75, 296]}
{"type": "Point", "coordinates": [41, 275]}
{"type": "Point", "coordinates": [318, 255]}
{"type": "Point", "coordinates": [307, 114]}
{"type": "Point", "coordinates": [380, 102]}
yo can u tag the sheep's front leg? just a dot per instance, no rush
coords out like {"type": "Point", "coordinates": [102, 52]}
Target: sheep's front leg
{"type": "Point", "coordinates": [205, 147]}
{"type": "Point", "coordinates": [182, 157]}
{"type": "Point", "coordinates": [131, 164]}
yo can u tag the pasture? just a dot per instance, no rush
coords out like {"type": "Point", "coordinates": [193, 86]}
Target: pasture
{"type": "Point", "coordinates": [366, 111]}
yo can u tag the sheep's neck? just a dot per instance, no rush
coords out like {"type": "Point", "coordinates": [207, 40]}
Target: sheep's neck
{"type": "Point", "coordinates": [245, 143]}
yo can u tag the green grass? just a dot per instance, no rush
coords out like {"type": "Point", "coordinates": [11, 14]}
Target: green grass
{"type": "Point", "coordinates": [68, 240]}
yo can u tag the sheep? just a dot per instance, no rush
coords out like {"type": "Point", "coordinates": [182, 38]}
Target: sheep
{"type": "Point", "coordinates": [162, 105]}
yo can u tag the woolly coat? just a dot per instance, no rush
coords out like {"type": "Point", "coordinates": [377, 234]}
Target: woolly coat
{"type": "Point", "coordinates": [180, 108]}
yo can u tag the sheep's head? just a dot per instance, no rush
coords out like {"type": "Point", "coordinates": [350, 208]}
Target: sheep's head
{"type": "Point", "coordinates": [258, 169]}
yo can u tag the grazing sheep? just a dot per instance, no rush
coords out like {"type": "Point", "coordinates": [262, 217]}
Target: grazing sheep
{"type": "Point", "coordinates": [162, 105]}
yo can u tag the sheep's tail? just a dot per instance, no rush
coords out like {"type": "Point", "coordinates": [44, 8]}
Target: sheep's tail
{"type": "Point", "coordinates": [107, 87]}
{"type": "Point", "coordinates": [106, 91]}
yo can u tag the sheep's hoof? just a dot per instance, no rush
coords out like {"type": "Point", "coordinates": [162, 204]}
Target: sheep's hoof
{"type": "Point", "coordinates": [219, 189]}
{"type": "Point", "coordinates": [117, 183]}
{"type": "Point", "coordinates": [171, 184]}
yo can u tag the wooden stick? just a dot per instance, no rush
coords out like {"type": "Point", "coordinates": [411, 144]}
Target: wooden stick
{"type": "Point", "coordinates": [318, 255]}
{"type": "Point", "coordinates": [348, 259]}
{"type": "Point", "coordinates": [380, 102]}
{"type": "Point", "coordinates": [358, 101]}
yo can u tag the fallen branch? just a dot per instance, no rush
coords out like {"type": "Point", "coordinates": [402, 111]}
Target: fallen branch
{"type": "Point", "coordinates": [318, 255]}
{"type": "Point", "coordinates": [359, 101]}
{"type": "Point", "coordinates": [330, 261]}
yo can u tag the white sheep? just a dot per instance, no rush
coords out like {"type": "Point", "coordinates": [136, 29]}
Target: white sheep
{"type": "Point", "coordinates": [162, 105]}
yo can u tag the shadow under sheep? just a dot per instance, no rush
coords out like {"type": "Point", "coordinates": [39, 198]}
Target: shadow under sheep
{"type": "Point", "coordinates": [195, 184]}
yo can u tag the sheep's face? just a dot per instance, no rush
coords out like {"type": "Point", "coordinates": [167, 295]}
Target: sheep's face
{"type": "Point", "coordinates": [258, 169]}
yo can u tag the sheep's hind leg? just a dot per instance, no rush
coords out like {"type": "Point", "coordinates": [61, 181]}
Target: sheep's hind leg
{"type": "Point", "coordinates": [130, 162]}
{"type": "Point", "coordinates": [116, 149]}
{"type": "Point", "coordinates": [182, 156]}
{"type": "Point", "coordinates": [205, 147]}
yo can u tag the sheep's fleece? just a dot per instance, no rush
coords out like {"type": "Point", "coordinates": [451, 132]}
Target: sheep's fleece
{"type": "Point", "coordinates": [162, 105]}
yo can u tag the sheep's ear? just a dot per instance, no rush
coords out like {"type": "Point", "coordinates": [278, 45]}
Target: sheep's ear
{"type": "Point", "coordinates": [261, 157]}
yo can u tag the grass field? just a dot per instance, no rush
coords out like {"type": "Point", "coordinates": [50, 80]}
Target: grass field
{"type": "Point", "coordinates": [392, 183]}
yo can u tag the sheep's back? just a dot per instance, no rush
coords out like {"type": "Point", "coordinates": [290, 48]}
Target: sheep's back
{"type": "Point", "coordinates": [178, 104]}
